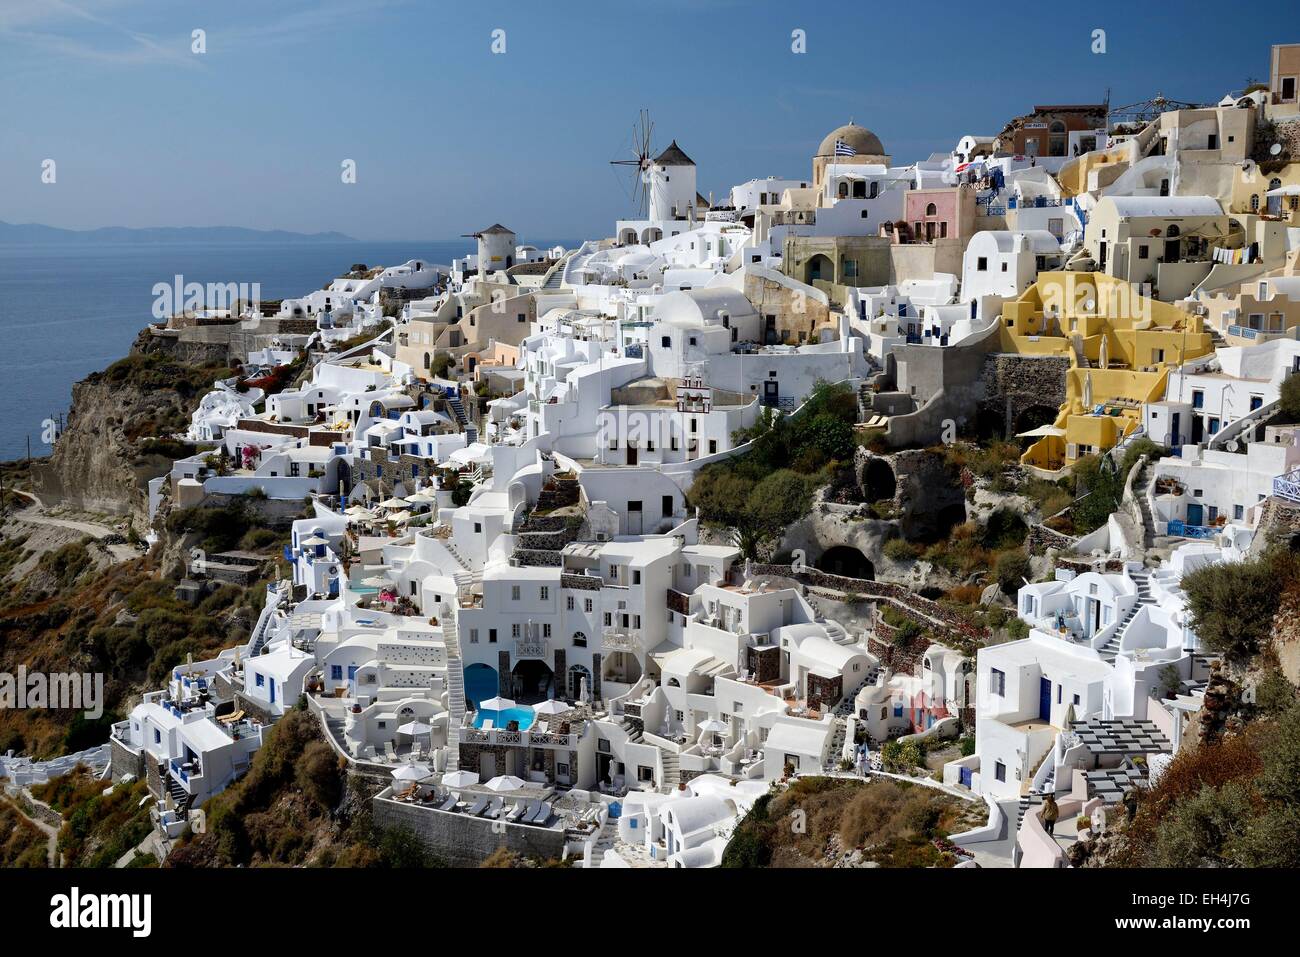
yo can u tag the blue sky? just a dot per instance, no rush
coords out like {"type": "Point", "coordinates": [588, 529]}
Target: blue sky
{"type": "Point", "coordinates": [449, 137]}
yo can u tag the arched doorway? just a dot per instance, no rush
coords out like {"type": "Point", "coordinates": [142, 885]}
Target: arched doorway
{"type": "Point", "coordinates": [1035, 416]}
{"type": "Point", "coordinates": [578, 674]}
{"type": "Point", "coordinates": [847, 561]}
{"type": "Point", "coordinates": [532, 680]}
{"type": "Point", "coordinates": [820, 267]}
{"type": "Point", "coordinates": [878, 480]}
{"type": "Point", "coordinates": [480, 684]}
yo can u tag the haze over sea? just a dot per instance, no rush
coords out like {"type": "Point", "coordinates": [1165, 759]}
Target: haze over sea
{"type": "Point", "coordinates": [69, 309]}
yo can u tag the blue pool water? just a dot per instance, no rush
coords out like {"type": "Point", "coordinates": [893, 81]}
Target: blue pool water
{"type": "Point", "coordinates": [500, 719]}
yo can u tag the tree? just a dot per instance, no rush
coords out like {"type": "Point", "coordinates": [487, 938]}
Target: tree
{"type": "Point", "coordinates": [1289, 401]}
{"type": "Point", "coordinates": [1233, 604]}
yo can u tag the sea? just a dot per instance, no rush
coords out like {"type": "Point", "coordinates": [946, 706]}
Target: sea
{"type": "Point", "coordinates": [69, 309]}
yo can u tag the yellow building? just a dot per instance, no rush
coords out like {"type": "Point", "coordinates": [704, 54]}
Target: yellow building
{"type": "Point", "coordinates": [1121, 346]}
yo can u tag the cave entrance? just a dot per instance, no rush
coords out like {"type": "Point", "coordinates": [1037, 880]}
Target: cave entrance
{"type": "Point", "coordinates": [847, 561]}
{"type": "Point", "coordinates": [1035, 416]}
{"type": "Point", "coordinates": [878, 481]}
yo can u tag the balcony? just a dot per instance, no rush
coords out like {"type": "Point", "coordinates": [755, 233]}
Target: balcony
{"type": "Point", "coordinates": [621, 640]}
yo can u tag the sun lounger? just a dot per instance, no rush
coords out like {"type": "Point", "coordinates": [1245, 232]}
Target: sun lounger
{"type": "Point", "coordinates": [518, 811]}
{"type": "Point", "coordinates": [390, 752]}
{"type": "Point", "coordinates": [493, 807]}
{"type": "Point", "coordinates": [448, 804]}
{"type": "Point", "coordinates": [478, 807]}
{"type": "Point", "coordinates": [541, 816]}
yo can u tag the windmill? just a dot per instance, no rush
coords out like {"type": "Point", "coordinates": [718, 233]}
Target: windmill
{"type": "Point", "coordinates": [642, 152]}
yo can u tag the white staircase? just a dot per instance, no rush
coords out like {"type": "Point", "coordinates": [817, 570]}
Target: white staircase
{"type": "Point", "coordinates": [1109, 650]}
{"type": "Point", "coordinates": [455, 686]}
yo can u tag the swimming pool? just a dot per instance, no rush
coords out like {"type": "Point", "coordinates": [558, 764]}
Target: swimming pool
{"type": "Point", "coordinates": [500, 719]}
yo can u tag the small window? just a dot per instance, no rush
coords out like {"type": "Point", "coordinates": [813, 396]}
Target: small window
{"type": "Point", "coordinates": [999, 771]}
{"type": "Point", "coordinates": [514, 592]}
{"type": "Point", "coordinates": [982, 264]}
{"type": "Point", "coordinates": [997, 682]}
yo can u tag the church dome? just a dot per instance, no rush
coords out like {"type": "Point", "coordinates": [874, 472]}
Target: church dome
{"type": "Point", "coordinates": [862, 141]}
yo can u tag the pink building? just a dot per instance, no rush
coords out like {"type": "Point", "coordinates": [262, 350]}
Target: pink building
{"type": "Point", "coordinates": [944, 213]}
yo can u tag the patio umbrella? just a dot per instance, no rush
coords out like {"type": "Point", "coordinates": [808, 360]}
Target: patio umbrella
{"type": "Point", "coordinates": [1104, 359]}
{"type": "Point", "coordinates": [412, 772]}
{"type": "Point", "coordinates": [1087, 390]}
{"type": "Point", "coordinates": [551, 706]}
{"type": "Point", "coordinates": [505, 782]}
{"type": "Point", "coordinates": [402, 516]}
{"type": "Point", "coordinates": [1042, 432]}
{"type": "Point", "coordinates": [713, 726]}
{"type": "Point", "coordinates": [393, 503]}
{"type": "Point", "coordinates": [496, 704]}
{"type": "Point", "coordinates": [358, 510]}
{"type": "Point", "coordinates": [460, 779]}
{"type": "Point", "coordinates": [413, 728]}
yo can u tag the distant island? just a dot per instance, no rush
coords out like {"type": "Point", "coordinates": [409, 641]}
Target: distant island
{"type": "Point", "coordinates": [37, 233]}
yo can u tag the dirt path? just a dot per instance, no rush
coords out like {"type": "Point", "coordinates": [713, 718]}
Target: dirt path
{"type": "Point", "coordinates": [34, 515]}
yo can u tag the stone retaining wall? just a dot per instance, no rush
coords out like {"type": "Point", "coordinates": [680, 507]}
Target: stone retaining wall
{"type": "Point", "coordinates": [464, 841]}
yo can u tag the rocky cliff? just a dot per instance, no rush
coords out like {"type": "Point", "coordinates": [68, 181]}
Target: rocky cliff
{"type": "Point", "coordinates": [116, 440]}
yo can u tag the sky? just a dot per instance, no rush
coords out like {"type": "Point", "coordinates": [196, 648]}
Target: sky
{"type": "Point", "coordinates": [448, 136]}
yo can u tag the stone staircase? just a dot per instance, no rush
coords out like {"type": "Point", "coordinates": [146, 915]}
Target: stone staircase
{"type": "Point", "coordinates": [458, 410]}
{"type": "Point", "coordinates": [455, 686]}
{"type": "Point", "coordinates": [672, 771]}
{"type": "Point", "coordinates": [1109, 650]}
{"type": "Point", "coordinates": [633, 730]}
{"type": "Point", "coordinates": [1140, 482]}
{"type": "Point", "coordinates": [837, 744]}
{"type": "Point", "coordinates": [179, 795]}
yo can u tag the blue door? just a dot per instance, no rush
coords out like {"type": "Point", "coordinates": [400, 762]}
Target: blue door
{"type": "Point", "coordinates": [1195, 514]}
{"type": "Point", "coordinates": [272, 691]}
{"type": "Point", "coordinates": [964, 775]}
{"type": "Point", "coordinates": [352, 678]}
{"type": "Point", "coordinates": [1044, 699]}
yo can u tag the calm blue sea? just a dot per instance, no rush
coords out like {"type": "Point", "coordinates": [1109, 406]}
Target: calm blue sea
{"type": "Point", "coordinates": [67, 310]}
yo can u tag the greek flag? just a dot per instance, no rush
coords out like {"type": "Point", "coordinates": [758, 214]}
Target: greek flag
{"type": "Point", "coordinates": [844, 149]}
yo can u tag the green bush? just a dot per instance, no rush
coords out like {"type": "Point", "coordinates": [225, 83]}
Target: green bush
{"type": "Point", "coordinates": [1010, 570]}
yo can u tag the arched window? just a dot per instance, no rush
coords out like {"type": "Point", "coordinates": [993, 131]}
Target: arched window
{"type": "Point", "coordinates": [931, 209]}
{"type": "Point", "coordinates": [1173, 231]}
{"type": "Point", "coordinates": [427, 360]}
{"type": "Point", "coordinates": [875, 189]}
{"type": "Point", "coordinates": [843, 189]}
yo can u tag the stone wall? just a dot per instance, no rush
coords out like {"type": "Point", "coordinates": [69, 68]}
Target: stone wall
{"type": "Point", "coordinates": [464, 841]}
{"type": "Point", "coordinates": [124, 761]}
{"type": "Point", "coordinates": [1015, 383]}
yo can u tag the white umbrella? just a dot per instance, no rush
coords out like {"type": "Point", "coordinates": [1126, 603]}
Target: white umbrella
{"type": "Point", "coordinates": [460, 779]}
{"type": "Point", "coordinates": [1042, 432]}
{"type": "Point", "coordinates": [496, 704]}
{"type": "Point", "coordinates": [505, 782]}
{"type": "Point", "coordinates": [358, 510]}
{"type": "Point", "coordinates": [393, 503]}
{"type": "Point", "coordinates": [402, 516]}
{"type": "Point", "coordinates": [713, 726]}
{"type": "Point", "coordinates": [414, 727]}
{"type": "Point", "coordinates": [1087, 390]}
{"type": "Point", "coordinates": [1104, 359]}
{"type": "Point", "coordinates": [412, 772]}
{"type": "Point", "coordinates": [551, 706]}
